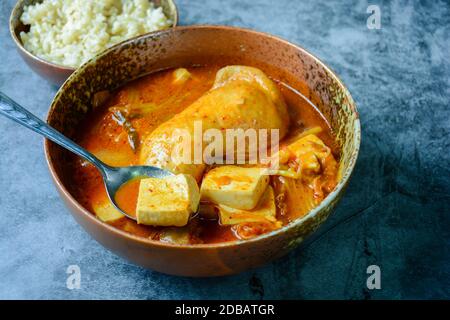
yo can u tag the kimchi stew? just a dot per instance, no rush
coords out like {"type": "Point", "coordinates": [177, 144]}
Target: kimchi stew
{"type": "Point", "coordinates": [229, 183]}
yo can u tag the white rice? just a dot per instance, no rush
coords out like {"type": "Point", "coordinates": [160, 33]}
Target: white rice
{"type": "Point", "coordinates": [69, 32]}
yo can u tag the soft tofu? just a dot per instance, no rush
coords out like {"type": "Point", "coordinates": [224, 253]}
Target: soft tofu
{"type": "Point", "coordinates": [235, 187]}
{"type": "Point", "coordinates": [167, 202]}
{"type": "Point", "coordinates": [264, 212]}
{"type": "Point", "coordinates": [106, 211]}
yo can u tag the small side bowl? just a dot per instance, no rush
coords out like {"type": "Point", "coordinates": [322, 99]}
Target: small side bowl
{"type": "Point", "coordinates": [203, 45]}
{"type": "Point", "coordinates": [50, 71]}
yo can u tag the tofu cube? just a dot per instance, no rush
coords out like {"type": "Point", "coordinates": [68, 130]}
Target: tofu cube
{"type": "Point", "coordinates": [233, 186]}
{"type": "Point", "coordinates": [264, 212]}
{"type": "Point", "coordinates": [167, 202]}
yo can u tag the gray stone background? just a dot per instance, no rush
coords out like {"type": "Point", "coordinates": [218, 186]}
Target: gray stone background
{"type": "Point", "coordinates": [396, 212]}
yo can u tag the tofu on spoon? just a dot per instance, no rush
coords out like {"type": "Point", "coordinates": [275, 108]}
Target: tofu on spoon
{"type": "Point", "coordinates": [167, 202]}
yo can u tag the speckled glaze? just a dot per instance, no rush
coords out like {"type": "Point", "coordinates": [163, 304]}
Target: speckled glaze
{"type": "Point", "coordinates": [52, 72]}
{"type": "Point", "coordinates": [185, 46]}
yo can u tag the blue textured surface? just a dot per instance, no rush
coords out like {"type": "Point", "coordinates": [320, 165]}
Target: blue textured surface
{"type": "Point", "coordinates": [396, 212]}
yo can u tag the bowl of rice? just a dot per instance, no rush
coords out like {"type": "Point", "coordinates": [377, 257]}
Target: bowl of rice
{"type": "Point", "coordinates": [55, 37]}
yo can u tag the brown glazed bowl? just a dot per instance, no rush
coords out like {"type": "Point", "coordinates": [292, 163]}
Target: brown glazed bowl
{"type": "Point", "coordinates": [186, 46]}
{"type": "Point", "coordinates": [52, 72]}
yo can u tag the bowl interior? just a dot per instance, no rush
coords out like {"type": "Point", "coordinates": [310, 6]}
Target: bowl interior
{"type": "Point", "coordinates": [201, 45]}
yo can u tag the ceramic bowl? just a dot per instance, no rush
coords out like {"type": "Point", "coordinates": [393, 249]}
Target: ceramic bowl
{"type": "Point", "coordinates": [52, 72]}
{"type": "Point", "coordinates": [200, 45]}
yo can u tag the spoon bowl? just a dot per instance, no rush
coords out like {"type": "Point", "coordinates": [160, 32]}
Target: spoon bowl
{"type": "Point", "coordinates": [113, 177]}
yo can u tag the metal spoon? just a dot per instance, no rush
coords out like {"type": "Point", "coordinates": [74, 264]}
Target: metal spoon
{"type": "Point", "coordinates": [113, 177]}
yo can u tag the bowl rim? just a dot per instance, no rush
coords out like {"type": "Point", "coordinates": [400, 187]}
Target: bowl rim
{"type": "Point", "coordinates": [149, 242]}
{"type": "Point", "coordinates": [19, 44]}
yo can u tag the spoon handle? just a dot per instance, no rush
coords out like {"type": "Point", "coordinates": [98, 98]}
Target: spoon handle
{"type": "Point", "coordinates": [12, 110]}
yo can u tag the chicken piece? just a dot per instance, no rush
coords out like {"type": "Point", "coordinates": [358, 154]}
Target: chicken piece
{"type": "Point", "coordinates": [310, 151]}
{"type": "Point", "coordinates": [241, 98]}
{"type": "Point", "coordinates": [304, 156]}
{"type": "Point", "coordinates": [308, 172]}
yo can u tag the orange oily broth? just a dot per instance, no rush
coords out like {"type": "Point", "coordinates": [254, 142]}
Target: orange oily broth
{"type": "Point", "coordinates": [103, 136]}
{"type": "Point", "coordinates": [126, 196]}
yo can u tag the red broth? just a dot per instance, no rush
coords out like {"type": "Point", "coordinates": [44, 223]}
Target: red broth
{"type": "Point", "coordinates": [102, 135]}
